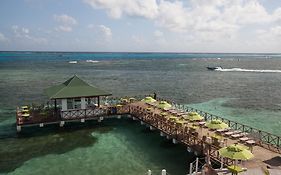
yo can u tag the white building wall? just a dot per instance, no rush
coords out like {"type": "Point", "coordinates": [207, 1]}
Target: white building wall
{"type": "Point", "coordinates": [64, 105]}
{"type": "Point", "coordinates": [83, 103]}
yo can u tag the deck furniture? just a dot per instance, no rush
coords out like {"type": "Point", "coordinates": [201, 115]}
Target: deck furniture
{"type": "Point", "coordinates": [222, 130]}
{"type": "Point", "coordinates": [244, 139]}
{"type": "Point", "coordinates": [232, 133]}
{"type": "Point", "coordinates": [235, 136]}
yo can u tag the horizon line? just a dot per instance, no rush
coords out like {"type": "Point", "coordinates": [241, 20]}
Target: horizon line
{"type": "Point", "coordinates": [170, 52]}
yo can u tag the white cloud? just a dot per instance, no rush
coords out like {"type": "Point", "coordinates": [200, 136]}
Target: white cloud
{"type": "Point", "coordinates": [117, 8]}
{"type": "Point", "coordinates": [63, 28]}
{"type": "Point", "coordinates": [66, 22]}
{"type": "Point", "coordinates": [200, 17]}
{"type": "Point", "coordinates": [106, 31]}
{"type": "Point", "coordinates": [65, 19]}
{"type": "Point", "coordinates": [20, 31]}
{"type": "Point", "coordinates": [158, 33]}
{"type": "Point", "coordinates": [277, 14]}
{"type": "Point", "coordinates": [272, 34]}
{"type": "Point", "coordinates": [3, 38]}
{"type": "Point", "coordinates": [24, 33]}
{"type": "Point", "coordinates": [246, 12]}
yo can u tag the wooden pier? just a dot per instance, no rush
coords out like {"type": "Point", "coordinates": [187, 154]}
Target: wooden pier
{"type": "Point", "coordinates": [196, 139]}
{"type": "Point", "coordinates": [81, 102]}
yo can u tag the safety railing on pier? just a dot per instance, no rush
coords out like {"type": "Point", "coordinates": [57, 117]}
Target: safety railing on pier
{"type": "Point", "coordinates": [264, 138]}
{"type": "Point", "coordinates": [179, 134]}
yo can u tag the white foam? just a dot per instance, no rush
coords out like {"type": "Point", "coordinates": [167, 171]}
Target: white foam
{"type": "Point", "coordinates": [247, 70]}
{"type": "Point", "coordinates": [72, 62]}
{"type": "Point", "coordinates": [92, 61]}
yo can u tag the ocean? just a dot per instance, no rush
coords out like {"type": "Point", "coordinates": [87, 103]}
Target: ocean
{"type": "Point", "coordinates": [246, 89]}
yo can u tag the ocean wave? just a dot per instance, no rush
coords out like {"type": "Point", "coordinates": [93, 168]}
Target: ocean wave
{"type": "Point", "coordinates": [72, 62]}
{"type": "Point", "coordinates": [247, 70]}
{"type": "Point", "coordinates": [92, 61]}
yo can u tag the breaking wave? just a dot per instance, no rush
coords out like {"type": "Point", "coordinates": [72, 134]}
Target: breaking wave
{"type": "Point", "coordinates": [92, 61]}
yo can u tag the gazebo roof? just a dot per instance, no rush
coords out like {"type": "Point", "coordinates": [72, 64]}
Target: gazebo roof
{"type": "Point", "coordinates": [74, 87]}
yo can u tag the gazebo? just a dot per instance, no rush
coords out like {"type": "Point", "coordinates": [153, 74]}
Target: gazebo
{"type": "Point", "coordinates": [76, 97]}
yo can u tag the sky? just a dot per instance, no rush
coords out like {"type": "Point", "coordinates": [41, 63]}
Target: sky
{"type": "Point", "coordinates": [141, 25]}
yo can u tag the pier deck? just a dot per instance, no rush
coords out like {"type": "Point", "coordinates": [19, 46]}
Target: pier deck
{"type": "Point", "coordinates": [196, 139]}
{"type": "Point", "coordinates": [181, 133]}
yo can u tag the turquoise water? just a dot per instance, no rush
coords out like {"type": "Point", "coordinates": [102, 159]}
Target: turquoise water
{"type": "Point", "coordinates": [265, 120]}
{"type": "Point", "coordinates": [113, 147]}
{"type": "Point", "coordinates": [123, 146]}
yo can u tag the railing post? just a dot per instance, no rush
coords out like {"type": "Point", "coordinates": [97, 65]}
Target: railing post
{"type": "Point", "coordinates": [278, 142]}
{"type": "Point", "coordinates": [196, 165]}
{"type": "Point", "coordinates": [190, 168]}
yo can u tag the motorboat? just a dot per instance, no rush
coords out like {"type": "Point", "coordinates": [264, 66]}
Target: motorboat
{"type": "Point", "coordinates": [214, 68]}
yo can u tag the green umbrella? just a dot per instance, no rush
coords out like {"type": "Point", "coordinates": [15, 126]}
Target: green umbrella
{"type": "Point", "coordinates": [124, 100]}
{"type": "Point", "coordinates": [236, 152]}
{"type": "Point", "coordinates": [216, 136]}
{"type": "Point", "coordinates": [148, 100]}
{"type": "Point", "coordinates": [164, 104]}
{"type": "Point", "coordinates": [132, 99]}
{"type": "Point", "coordinates": [171, 117]}
{"type": "Point", "coordinates": [194, 116]}
{"type": "Point", "coordinates": [217, 124]}
{"type": "Point", "coordinates": [180, 122]}
{"type": "Point", "coordinates": [192, 126]}
{"type": "Point", "coordinates": [148, 109]}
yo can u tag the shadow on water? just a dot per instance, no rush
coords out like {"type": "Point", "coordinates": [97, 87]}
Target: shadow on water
{"type": "Point", "coordinates": [36, 142]}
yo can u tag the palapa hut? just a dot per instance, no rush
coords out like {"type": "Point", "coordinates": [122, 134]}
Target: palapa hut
{"type": "Point", "coordinates": [75, 95]}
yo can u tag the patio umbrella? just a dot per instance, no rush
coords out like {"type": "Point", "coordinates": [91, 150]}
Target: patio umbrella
{"type": "Point", "coordinates": [148, 109]}
{"type": "Point", "coordinates": [124, 100]}
{"type": "Point", "coordinates": [216, 124]}
{"type": "Point", "coordinates": [194, 116]}
{"type": "Point", "coordinates": [132, 99]}
{"type": "Point", "coordinates": [24, 107]}
{"type": "Point", "coordinates": [236, 152]}
{"type": "Point", "coordinates": [192, 126]}
{"type": "Point", "coordinates": [148, 100]}
{"type": "Point", "coordinates": [216, 136]}
{"type": "Point", "coordinates": [178, 121]}
{"type": "Point", "coordinates": [164, 105]}
{"type": "Point", "coordinates": [25, 110]}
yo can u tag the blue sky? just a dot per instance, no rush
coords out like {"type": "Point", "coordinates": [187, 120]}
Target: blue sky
{"type": "Point", "coordinates": [141, 25]}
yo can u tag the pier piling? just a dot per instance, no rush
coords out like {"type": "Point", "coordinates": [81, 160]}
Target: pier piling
{"type": "Point", "coordinates": [18, 128]}
{"type": "Point", "coordinates": [62, 123]}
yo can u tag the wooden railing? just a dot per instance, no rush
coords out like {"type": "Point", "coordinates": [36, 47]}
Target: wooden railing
{"type": "Point", "coordinates": [264, 138]}
{"type": "Point", "coordinates": [83, 113]}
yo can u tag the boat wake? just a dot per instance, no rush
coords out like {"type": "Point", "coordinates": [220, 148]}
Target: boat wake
{"type": "Point", "coordinates": [246, 70]}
